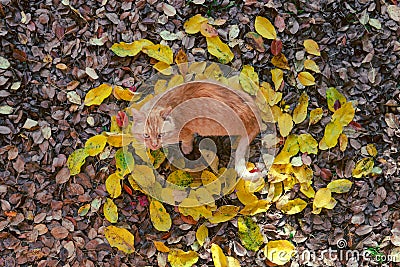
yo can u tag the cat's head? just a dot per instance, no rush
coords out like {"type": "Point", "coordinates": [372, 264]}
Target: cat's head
{"type": "Point", "coordinates": [155, 128]}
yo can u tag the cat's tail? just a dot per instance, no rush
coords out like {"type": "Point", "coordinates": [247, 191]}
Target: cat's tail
{"type": "Point", "coordinates": [240, 162]}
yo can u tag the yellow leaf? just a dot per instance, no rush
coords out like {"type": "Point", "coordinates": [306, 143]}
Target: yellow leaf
{"type": "Point", "coordinates": [279, 172]}
{"type": "Point", "coordinates": [192, 207]}
{"type": "Point", "coordinates": [163, 68]}
{"type": "Point", "coordinates": [332, 95]}
{"type": "Point", "coordinates": [279, 251]}
{"type": "Point", "coordinates": [224, 214]}
{"type": "Point", "coordinates": [344, 115]}
{"type": "Point", "coordinates": [243, 194]}
{"type": "Point", "coordinates": [249, 233]}
{"type": "Point", "coordinates": [322, 197]}
{"type": "Point", "coordinates": [160, 87]}
{"type": "Point", "coordinates": [211, 182]}
{"type": "Point", "coordinates": [280, 61]}
{"type": "Point", "coordinates": [277, 77]}
{"type": "Point", "coordinates": [124, 161]}
{"type": "Point", "coordinates": [202, 234]}
{"type": "Point", "coordinates": [113, 185]}
{"type": "Point", "coordinates": [306, 78]}
{"type": "Point", "coordinates": [76, 160]}
{"type": "Point", "coordinates": [285, 124]}
{"type": "Point", "coordinates": [307, 144]}
{"type": "Point", "coordinates": [340, 186]}
{"type": "Point", "coordinates": [363, 167]}
{"type": "Point", "coordinates": [315, 115]}
{"type": "Point", "coordinates": [83, 210]}
{"type": "Point", "coordinates": [249, 80]}
{"type": "Point", "coordinates": [160, 246]}
{"type": "Point", "coordinates": [294, 206]}
{"type": "Point", "coordinates": [143, 175]}
{"type": "Point", "coordinates": [180, 258]}
{"type": "Point", "coordinates": [219, 49]}
{"type": "Point", "coordinates": [123, 49]}
{"type": "Point", "coordinates": [138, 105]}
{"type": "Point", "coordinates": [274, 192]}
{"type": "Point", "coordinates": [343, 141]}
{"type": "Point", "coordinates": [175, 80]}
{"type": "Point", "coordinates": [193, 25]}
{"type": "Point", "coordinates": [180, 178]}
{"type": "Point", "coordinates": [290, 149]}
{"type": "Point", "coordinates": [311, 65]}
{"type": "Point", "coordinates": [120, 238]}
{"type": "Point", "coordinates": [197, 67]}
{"type": "Point", "coordinates": [300, 112]}
{"type": "Point", "coordinates": [332, 133]}
{"type": "Point", "coordinates": [269, 94]}
{"type": "Point", "coordinates": [371, 149]}
{"type": "Point", "coordinates": [265, 28]}
{"type": "Point", "coordinates": [307, 190]}
{"type": "Point", "coordinates": [303, 174]}
{"type": "Point", "coordinates": [311, 47]}
{"type": "Point", "coordinates": [218, 256]}
{"type": "Point", "coordinates": [181, 59]}
{"type": "Point", "coordinates": [207, 30]}
{"type": "Point", "coordinates": [331, 204]}
{"type": "Point", "coordinates": [213, 71]}
{"type": "Point", "coordinates": [110, 211]}
{"type": "Point", "coordinates": [160, 52]}
{"type": "Point", "coordinates": [125, 94]}
{"type": "Point", "coordinates": [119, 140]}
{"type": "Point", "coordinates": [95, 144]}
{"type": "Point", "coordinates": [256, 207]}
{"type": "Point", "coordinates": [159, 216]}
{"type": "Point", "coordinates": [96, 95]}
{"type": "Point", "coordinates": [232, 262]}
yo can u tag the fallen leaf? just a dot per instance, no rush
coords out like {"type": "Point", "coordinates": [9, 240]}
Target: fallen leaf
{"type": "Point", "coordinates": [224, 214]}
{"type": "Point", "coordinates": [279, 251]}
{"type": "Point", "coordinates": [276, 47]}
{"type": "Point", "coordinates": [371, 149]}
{"type": "Point", "coordinates": [307, 144]}
{"type": "Point", "coordinates": [113, 185]}
{"type": "Point", "coordinates": [265, 28]}
{"type": "Point", "coordinates": [160, 52]}
{"type": "Point", "coordinates": [95, 145]}
{"type": "Point", "coordinates": [193, 25]}
{"type": "Point", "coordinates": [340, 186]}
{"type": "Point", "coordinates": [29, 124]}
{"type": "Point", "coordinates": [120, 238]}
{"type": "Point", "coordinates": [315, 116]}
{"type": "Point", "coordinates": [333, 95]}
{"type": "Point", "coordinates": [249, 233]}
{"type": "Point", "coordinates": [207, 30]}
{"type": "Point", "coordinates": [180, 258]}
{"type": "Point", "coordinates": [277, 78]}
{"type": "Point", "coordinates": [332, 133]}
{"type": "Point", "coordinates": [363, 167]}
{"type": "Point", "coordinates": [4, 63]}
{"type": "Point", "coordinates": [249, 80]}
{"type": "Point", "coordinates": [256, 41]}
{"type": "Point", "coordinates": [123, 49]}
{"type": "Point", "coordinates": [322, 197]}
{"type": "Point", "coordinates": [202, 234]}
{"type": "Point", "coordinates": [344, 115]}
{"type": "Point", "coordinates": [159, 216]}
{"type": "Point", "coordinates": [218, 256]}
{"type": "Point", "coordinates": [306, 78]}
{"type": "Point", "coordinates": [394, 12]}
{"type": "Point", "coordinates": [280, 61]}
{"type": "Point", "coordinates": [219, 49]}
{"type": "Point", "coordinates": [76, 160]}
{"type": "Point", "coordinates": [311, 65]}
{"type": "Point", "coordinates": [169, 10]}
{"type": "Point", "coordinates": [124, 161]}
{"type": "Point", "coordinates": [311, 47]}
{"type": "Point", "coordinates": [343, 141]}
{"type": "Point", "coordinates": [97, 95]}
{"type": "Point", "coordinates": [74, 98]}
{"type": "Point", "coordinates": [110, 211]}
{"type": "Point", "coordinates": [300, 111]}
{"type": "Point", "coordinates": [290, 149]}
{"type": "Point", "coordinates": [160, 246]}
{"type": "Point", "coordinates": [91, 73]}
{"type": "Point", "coordinates": [285, 124]}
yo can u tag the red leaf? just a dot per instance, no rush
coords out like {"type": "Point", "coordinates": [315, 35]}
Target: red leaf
{"type": "Point", "coordinates": [133, 88]}
{"type": "Point", "coordinates": [122, 119]}
{"type": "Point", "coordinates": [326, 174]}
{"type": "Point", "coordinates": [254, 170]}
{"type": "Point", "coordinates": [128, 189]}
{"type": "Point", "coordinates": [276, 47]}
{"type": "Point", "coordinates": [188, 219]}
{"type": "Point", "coordinates": [19, 55]}
{"type": "Point", "coordinates": [143, 201]}
{"type": "Point", "coordinates": [355, 125]}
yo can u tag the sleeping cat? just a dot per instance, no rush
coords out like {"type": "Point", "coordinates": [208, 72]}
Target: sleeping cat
{"type": "Point", "coordinates": [205, 108]}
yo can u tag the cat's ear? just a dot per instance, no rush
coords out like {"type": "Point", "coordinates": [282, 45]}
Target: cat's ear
{"type": "Point", "coordinates": [166, 112]}
{"type": "Point", "coordinates": [137, 115]}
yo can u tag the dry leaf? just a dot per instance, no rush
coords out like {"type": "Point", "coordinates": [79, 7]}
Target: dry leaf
{"type": "Point", "coordinates": [123, 49]}
{"type": "Point", "coordinates": [249, 80]}
{"type": "Point", "coordinates": [312, 47]}
{"type": "Point", "coordinates": [315, 116]}
{"type": "Point", "coordinates": [307, 144]}
{"type": "Point", "coordinates": [180, 258]}
{"type": "Point", "coordinates": [340, 186]}
{"type": "Point", "coordinates": [280, 61]}
{"type": "Point", "coordinates": [279, 251]}
{"type": "Point", "coordinates": [333, 95]}
{"type": "Point", "coordinates": [285, 124]}
{"type": "Point", "coordinates": [120, 238]}
{"type": "Point", "coordinates": [394, 12]}
{"type": "Point", "coordinates": [311, 65]}
{"type": "Point", "coordinates": [277, 78]}
{"type": "Point", "coordinates": [193, 25]}
{"type": "Point", "coordinates": [218, 256]}
{"type": "Point", "coordinates": [202, 234]}
{"type": "Point", "coordinates": [76, 160]}
{"type": "Point", "coordinates": [159, 216]}
{"type": "Point", "coordinates": [95, 145]}
{"type": "Point", "coordinates": [363, 167]}
{"type": "Point", "coordinates": [265, 28]}
{"type": "Point", "coordinates": [97, 95]}
{"type": "Point", "coordinates": [160, 52]}
{"type": "Point", "coordinates": [219, 49]}
{"type": "Point", "coordinates": [110, 211]}
{"type": "Point", "coordinates": [300, 112]}
{"type": "Point", "coordinates": [306, 78]}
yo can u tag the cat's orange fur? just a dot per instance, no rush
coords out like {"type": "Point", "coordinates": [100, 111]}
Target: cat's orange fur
{"type": "Point", "coordinates": [205, 108]}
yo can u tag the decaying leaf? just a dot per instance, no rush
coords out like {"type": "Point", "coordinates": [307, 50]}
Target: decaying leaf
{"type": "Point", "coordinates": [333, 95]}
{"type": "Point", "coordinates": [280, 61]}
{"type": "Point", "coordinates": [249, 233]}
{"type": "Point", "coordinates": [208, 30]}
{"type": "Point", "coordinates": [363, 167]}
{"type": "Point", "coordinates": [256, 41]}
{"type": "Point", "coordinates": [120, 238]}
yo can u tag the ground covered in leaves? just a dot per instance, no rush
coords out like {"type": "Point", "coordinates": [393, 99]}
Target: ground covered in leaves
{"type": "Point", "coordinates": [53, 48]}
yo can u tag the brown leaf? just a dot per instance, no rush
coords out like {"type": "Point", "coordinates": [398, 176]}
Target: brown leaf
{"type": "Point", "coordinates": [59, 232]}
{"type": "Point", "coordinates": [63, 176]}
{"type": "Point", "coordinates": [276, 47]}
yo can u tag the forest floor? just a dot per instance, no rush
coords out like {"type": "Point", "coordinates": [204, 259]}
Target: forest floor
{"type": "Point", "coordinates": [53, 49]}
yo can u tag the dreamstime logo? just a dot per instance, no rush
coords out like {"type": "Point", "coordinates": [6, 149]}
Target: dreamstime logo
{"type": "Point", "coordinates": [342, 253]}
{"type": "Point", "coordinates": [202, 98]}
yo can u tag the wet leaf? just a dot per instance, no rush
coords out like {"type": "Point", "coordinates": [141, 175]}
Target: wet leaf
{"type": "Point", "coordinates": [110, 211]}
{"type": "Point", "coordinates": [219, 49]}
{"type": "Point", "coordinates": [363, 167]}
{"type": "Point", "coordinates": [279, 251]}
{"type": "Point", "coordinates": [340, 186]}
{"type": "Point", "coordinates": [159, 216]}
{"type": "Point", "coordinates": [123, 49]}
{"type": "Point", "coordinates": [285, 124]}
{"type": "Point", "coordinates": [306, 78]}
{"type": "Point", "coordinates": [249, 233]}
{"type": "Point", "coordinates": [180, 258]}
{"type": "Point", "coordinates": [120, 238]}
{"type": "Point", "coordinates": [193, 25]}
{"type": "Point", "coordinates": [76, 160]}
{"type": "Point", "coordinates": [97, 95]}
{"type": "Point", "coordinates": [312, 47]}
{"type": "Point", "coordinates": [265, 28]}
{"type": "Point", "coordinates": [249, 80]}
{"type": "Point", "coordinates": [300, 112]}
{"type": "Point", "coordinates": [95, 144]}
{"type": "Point", "coordinates": [160, 52]}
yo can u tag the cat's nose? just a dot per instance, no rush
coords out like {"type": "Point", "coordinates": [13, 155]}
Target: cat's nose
{"type": "Point", "coordinates": [154, 146]}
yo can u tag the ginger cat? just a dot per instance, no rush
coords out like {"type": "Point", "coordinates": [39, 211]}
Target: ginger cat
{"type": "Point", "coordinates": [205, 108]}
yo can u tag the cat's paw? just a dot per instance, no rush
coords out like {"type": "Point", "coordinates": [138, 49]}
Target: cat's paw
{"type": "Point", "coordinates": [187, 148]}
